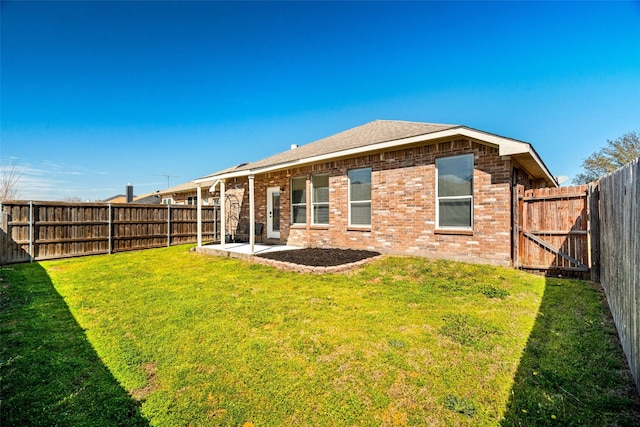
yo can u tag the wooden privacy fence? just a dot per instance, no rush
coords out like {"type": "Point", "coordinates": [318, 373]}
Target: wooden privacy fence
{"type": "Point", "coordinates": [45, 230]}
{"type": "Point", "coordinates": [552, 229]}
{"type": "Point", "coordinates": [616, 239]}
{"type": "Point", "coordinates": [592, 229]}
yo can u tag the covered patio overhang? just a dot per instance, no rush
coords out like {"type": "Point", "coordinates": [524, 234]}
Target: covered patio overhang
{"type": "Point", "coordinates": [220, 181]}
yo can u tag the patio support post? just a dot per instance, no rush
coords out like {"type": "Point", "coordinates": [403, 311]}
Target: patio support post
{"type": "Point", "coordinates": [199, 212]}
{"type": "Point", "coordinates": [223, 214]}
{"type": "Point", "coordinates": [252, 215]}
{"type": "Point", "coordinates": [31, 233]}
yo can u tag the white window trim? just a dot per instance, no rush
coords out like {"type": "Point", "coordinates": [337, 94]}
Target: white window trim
{"type": "Point", "coordinates": [350, 202]}
{"type": "Point", "coordinates": [298, 204]}
{"type": "Point", "coordinates": [469, 197]}
{"type": "Point", "coordinates": [314, 203]}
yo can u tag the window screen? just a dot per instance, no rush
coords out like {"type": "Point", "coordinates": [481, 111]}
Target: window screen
{"type": "Point", "coordinates": [299, 200]}
{"type": "Point", "coordinates": [360, 196]}
{"type": "Point", "coordinates": [455, 191]}
{"type": "Point", "coordinates": [320, 199]}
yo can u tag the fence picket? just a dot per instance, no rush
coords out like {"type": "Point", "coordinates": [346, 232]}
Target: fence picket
{"type": "Point", "coordinates": [33, 231]}
{"type": "Point", "coordinates": [618, 253]}
{"type": "Point", "coordinates": [553, 229]}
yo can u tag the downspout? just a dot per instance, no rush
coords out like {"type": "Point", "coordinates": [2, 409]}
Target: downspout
{"type": "Point", "coordinates": [212, 190]}
{"type": "Point", "coordinates": [199, 211]}
{"type": "Point", "coordinates": [223, 215]}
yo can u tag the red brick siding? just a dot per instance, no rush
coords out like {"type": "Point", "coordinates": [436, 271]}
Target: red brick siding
{"type": "Point", "coordinates": [403, 205]}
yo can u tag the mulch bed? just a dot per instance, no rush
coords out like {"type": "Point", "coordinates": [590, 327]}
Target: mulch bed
{"type": "Point", "coordinates": [320, 257]}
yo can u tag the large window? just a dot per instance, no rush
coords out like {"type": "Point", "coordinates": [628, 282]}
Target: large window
{"type": "Point", "coordinates": [360, 197]}
{"type": "Point", "coordinates": [455, 192]}
{"type": "Point", "coordinates": [299, 200]}
{"type": "Point", "coordinates": [320, 199]}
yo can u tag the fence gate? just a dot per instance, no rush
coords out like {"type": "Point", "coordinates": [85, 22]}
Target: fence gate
{"type": "Point", "coordinates": [552, 231]}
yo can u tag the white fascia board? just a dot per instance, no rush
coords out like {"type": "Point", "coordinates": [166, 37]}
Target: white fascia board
{"type": "Point", "coordinates": [329, 156]}
{"type": "Point", "coordinates": [247, 172]}
{"type": "Point", "coordinates": [205, 180]}
{"type": "Point", "coordinates": [509, 147]}
{"type": "Point", "coordinates": [546, 171]}
{"type": "Point", "coordinates": [506, 147]}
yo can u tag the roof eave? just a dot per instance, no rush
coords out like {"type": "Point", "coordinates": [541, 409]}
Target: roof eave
{"type": "Point", "coordinates": [323, 157]}
{"type": "Point", "coordinates": [513, 147]}
{"type": "Point", "coordinates": [507, 147]}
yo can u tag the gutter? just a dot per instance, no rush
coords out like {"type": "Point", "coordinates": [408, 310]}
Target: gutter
{"type": "Point", "coordinates": [507, 147]}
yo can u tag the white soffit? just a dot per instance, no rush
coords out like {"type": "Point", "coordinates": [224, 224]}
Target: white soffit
{"type": "Point", "coordinates": [506, 147]}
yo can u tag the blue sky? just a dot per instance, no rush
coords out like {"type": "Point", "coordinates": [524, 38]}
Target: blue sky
{"type": "Point", "coordinates": [99, 94]}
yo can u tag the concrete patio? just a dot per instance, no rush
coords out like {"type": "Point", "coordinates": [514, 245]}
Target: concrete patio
{"type": "Point", "coordinates": [242, 250]}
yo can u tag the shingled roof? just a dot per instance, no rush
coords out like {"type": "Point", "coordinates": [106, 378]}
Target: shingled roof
{"type": "Point", "coordinates": [361, 136]}
{"type": "Point", "coordinates": [367, 134]}
{"type": "Point", "coordinates": [375, 135]}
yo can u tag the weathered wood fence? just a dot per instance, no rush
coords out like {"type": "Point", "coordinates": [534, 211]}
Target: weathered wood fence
{"type": "Point", "coordinates": [615, 207]}
{"type": "Point", "coordinates": [552, 232]}
{"type": "Point", "coordinates": [45, 230]}
{"type": "Point", "coordinates": [592, 231]}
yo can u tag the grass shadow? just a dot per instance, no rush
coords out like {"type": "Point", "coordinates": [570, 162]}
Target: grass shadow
{"type": "Point", "coordinates": [51, 375]}
{"type": "Point", "coordinates": [573, 370]}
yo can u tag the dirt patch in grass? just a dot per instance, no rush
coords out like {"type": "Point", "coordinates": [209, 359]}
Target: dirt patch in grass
{"type": "Point", "coordinates": [150, 369]}
{"type": "Point", "coordinates": [320, 257]}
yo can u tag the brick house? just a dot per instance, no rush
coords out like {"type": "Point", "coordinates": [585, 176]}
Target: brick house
{"type": "Point", "coordinates": [182, 194]}
{"type": "Point", "coordinates": [395, 187]}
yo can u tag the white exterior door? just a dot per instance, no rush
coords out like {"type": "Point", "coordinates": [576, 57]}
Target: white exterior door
{"type": "Point", "coordinates": [273, 213]}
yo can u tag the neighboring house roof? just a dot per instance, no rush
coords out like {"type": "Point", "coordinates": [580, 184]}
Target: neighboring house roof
{"type": "Point", "coordinates": [382, 135]}
{"type": "Point", "coordinates": [180, 188]}
{"type": "Point", "coordinates": [145, 198]}
{"type": "Point", "coordinates": [119, 198]}
{"type": "Point", "coordinates": [149, 198]}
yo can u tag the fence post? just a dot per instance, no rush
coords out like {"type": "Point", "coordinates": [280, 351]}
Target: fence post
{"type": "Point", "coordinates": [199, 215]}
{"type": "Point", "coordinates": [168, 225]}
{"type": "Point", "coordinates": [3, 236]}
{"type": "Point", "coordinates": [520, 235]}
{"type": "Point", "coordinates": [514, 225]}
{"type": "Point", "coordinates": [593, 241]}
{"type": "Point", "coordinates": [31, 232]}
{"type": "Point", "coordinates": [110, 219]}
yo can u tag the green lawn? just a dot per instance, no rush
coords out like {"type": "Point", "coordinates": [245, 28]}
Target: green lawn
{"type": "Point", "coordinates": [169, 337]}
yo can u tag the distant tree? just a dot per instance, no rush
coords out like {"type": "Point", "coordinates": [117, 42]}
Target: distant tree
{"type": "Point", "coordinates": [614, 155]}
{"type": "Point", "coordinates": [9, 178]}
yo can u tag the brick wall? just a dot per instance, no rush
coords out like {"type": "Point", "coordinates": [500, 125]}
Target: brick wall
{"type": "Point", "coordinates": [403, 205]}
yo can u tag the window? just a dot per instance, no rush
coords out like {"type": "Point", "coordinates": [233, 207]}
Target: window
{"type": "Point", "coordinates": [455, 192]}
{"type": "Point", "coordinates": [360, 197]}
{"type": "Point", "coordinates": [167, 201]}
{"type": "Point", "coordinates": [320, 199]}
{"type": "Point", "coordinates": [299, 200]}
{"type": "Point", "coordinates": [192, 200]}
